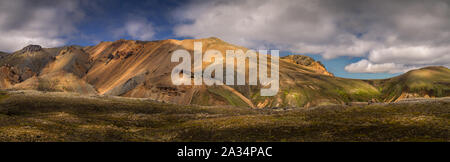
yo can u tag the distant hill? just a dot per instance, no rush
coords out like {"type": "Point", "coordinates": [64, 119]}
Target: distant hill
{"type": "Point", "coordinates": [46, 69]}
{"type": "Point", "coordinates": [142, 69]}
{"type": "Point", "coordinates": [3, 54]}
{"type": "Point", "coordinates": [433, 81]}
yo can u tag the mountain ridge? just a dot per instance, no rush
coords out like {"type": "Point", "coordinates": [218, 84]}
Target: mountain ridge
{"type": "Point", "coordinates": [142, 69]}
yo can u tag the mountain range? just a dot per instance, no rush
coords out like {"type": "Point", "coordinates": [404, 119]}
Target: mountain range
{"type": "Point", "coordinates": [142, 69]}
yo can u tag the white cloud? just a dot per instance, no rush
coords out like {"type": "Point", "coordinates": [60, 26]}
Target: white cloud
{"type": "Point", "coordinates": [388, 34]}
{"type": "Point", "coordinates": [365, 66]}
{"type": "Point", "coordinates": [251, 23]}
{"type": "Point", "coordinates": [401, 59]}
{"type": "Point", "coordinates": [418, 55]}
{"type": "Point", "coordinates": [37, 22]}
{"type": "Point", "coordinates": [137, 28]}
{"type": "Point", "coordinates": [140, 29]}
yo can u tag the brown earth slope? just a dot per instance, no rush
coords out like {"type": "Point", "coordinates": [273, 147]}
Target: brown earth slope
{"type": "Point", "coordinates": [63, 73]}
{"type": "Point", "coordinates": [46, 69]}
{"type": "Point", "coordinates": [23, 64]}
{"type": "Point", "coordinates": [142, 69]}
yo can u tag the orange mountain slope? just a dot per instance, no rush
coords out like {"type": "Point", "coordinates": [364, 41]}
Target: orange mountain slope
{"type": "Point", "coordinates": [143, 69]}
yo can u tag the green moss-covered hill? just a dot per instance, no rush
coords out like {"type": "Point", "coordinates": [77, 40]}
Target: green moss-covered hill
{"type": "Point", "coordinates": [433, 81]}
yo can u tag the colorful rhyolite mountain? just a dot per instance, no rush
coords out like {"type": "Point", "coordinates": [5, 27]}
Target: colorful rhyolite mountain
{"type": "Point", "coordinates": [142, 69]}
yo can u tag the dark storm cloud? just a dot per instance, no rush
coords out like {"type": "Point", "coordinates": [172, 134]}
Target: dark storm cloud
{"type": "Point", "coordinates": [393, 36]}
{"type": "Point", "coordinates": [390, 36]}
{"type": "Point", "coordinates": [37, 22]}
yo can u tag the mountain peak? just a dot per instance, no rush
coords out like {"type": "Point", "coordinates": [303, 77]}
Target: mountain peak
{"type": "Point", "coordinates": [309, 62]}
{"type": "Point", "coordinates": [215, 38]}
{"type": "Point", "coordinates": [31, 48]}
{"type": "Point", "coordinates": [300, 59]}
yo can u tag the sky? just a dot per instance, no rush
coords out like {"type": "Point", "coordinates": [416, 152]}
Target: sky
{"type": "Point", "coordinates": [364, 39]}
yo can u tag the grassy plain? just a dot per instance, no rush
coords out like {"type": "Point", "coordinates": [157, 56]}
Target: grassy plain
{"type": "Point", "coordinates": [37, 116]}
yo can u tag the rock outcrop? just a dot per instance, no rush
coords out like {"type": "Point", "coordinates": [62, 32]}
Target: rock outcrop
{"type": "Point", "coordinates": [309, 62]}
{"type": "Point", "coordinates": [31, 48]}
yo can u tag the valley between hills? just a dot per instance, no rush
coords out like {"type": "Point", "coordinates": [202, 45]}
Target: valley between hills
{"type": "Point", "coordinates": [121, 91]}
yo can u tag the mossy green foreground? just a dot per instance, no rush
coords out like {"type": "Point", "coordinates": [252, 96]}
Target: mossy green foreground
{"type": "Point", "coordinates": [67, 117]}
